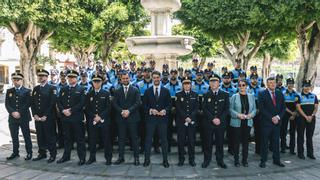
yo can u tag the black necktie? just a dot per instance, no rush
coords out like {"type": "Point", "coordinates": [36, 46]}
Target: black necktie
{"type": "Point", "coordinates": [157, 94]}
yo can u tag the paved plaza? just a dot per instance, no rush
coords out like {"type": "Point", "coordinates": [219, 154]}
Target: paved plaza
{"type": "Point", "coordinates": [20, 169]}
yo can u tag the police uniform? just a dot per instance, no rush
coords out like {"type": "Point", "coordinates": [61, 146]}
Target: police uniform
{"type": "Point", "coordinates": [236, 72]}
{"type": "Point", "coordinates": [173, 88]}
{"type": "Point", "coordinates": [86, 86]}
{"type": "Point", "coordinates": [279, 77]}
{"type": "Point", "coordinates": [307, 103]}
{"type": "Point", "coordinates": [215, 105]}
{"type": "Point", "coordinates": [44, 98]}
{"type": "Point", "coordinates": [18, 99]}
{"type": "Point", "coordinates": [186, 107]}
{"type": "Point", "coordinates": [98, 103]}
{"type": "Point", "coordinates": [255, 89]}
{"type": "Point", "coordinates": [73, 98]}
{"type": "Point", "coordinates": [290, 98]}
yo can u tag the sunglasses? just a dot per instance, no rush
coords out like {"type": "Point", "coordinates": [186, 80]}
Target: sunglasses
{"type": "Point", "coordinates": [242, 85]}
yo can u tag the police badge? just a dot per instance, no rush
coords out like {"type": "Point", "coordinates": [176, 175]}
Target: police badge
{"type": "Point", "coordinates": [181, 99]}
{"type": "Point", "coordinates": [91, 98]}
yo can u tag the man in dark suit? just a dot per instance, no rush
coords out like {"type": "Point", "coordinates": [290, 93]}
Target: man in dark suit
{"type": "Point", "coordinates": [272, 108]}
{"type": "Point", "coordinates": [215, 109]}
{"type": "Point", "coordinates": [17, 103]}
{"type": "Point", "coordinates": [157, 105]}
{"type": "Point", "coordinates": [70, 103]}
{"type": "Point", "coordinates": [98, 108]}
{"type": "Point", "coordinates": [187, 108]}
{"type": "Point", "coordinates": [44, 97]}
{"type": "Point", "coordinates": [126, 102]}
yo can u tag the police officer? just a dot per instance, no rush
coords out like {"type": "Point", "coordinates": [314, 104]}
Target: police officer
{"type": "Point", "coordinates": [254, 89]}
{"type": "Point", "coordinates": [307, 106]}
{"type": "Point", "coordinates": [180, 74]}
{"type": "Point", "coordinates": [165, 69]}
{"type": "Point", "coordinates": [237, 70]}
{"type": "Point", "coordinates": [290, 96]}
{"type": "Point", "coordinates": [71, 102]}
{"type": "Point", "coordinates": [133, 72]}
{"type": "Point", "coordinates": [17, 103]}
{"type": "Point", "coordinates": [174, 86]}
{"type": "Point", "coordinates": [228, 87]}
{"type": "Point", "coordinates": [254, 69]}
{"type": "Point", "coordinates": [195, 68]}
{"type": "Point", "coordinates": [216, 108]}
{"type": "Point", "coordinates": [111, 74]}
{"type": "Point", "coordinates": [139, 77]}
{"type": "Point", "coordinates": [279, 79]}
{"type": "Point", "coordinates": [98, 108]}
{"type": "Point", "coordinates": [152, 64]}
{"type": "Point", "coordinates": [54, 77]}
{"type": "Point", "coordinates": [61, 84]}
{"type": "Point", "coordinates": [90, 68]}
{"type": "Point", "coordinates": [187, 108]}
{"type": "Point", "coordinates": [84, 83]}
{"type": "Point", "coordinates": [200, 87]}
{"type": "Point", "coordinates": [165, 78]}
{"type": "Point", "coordinates": [44, 98]}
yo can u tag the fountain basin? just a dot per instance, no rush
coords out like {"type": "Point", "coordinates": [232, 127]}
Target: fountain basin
{"type": "Point", "coordinates": [161, 5]}
{"type": "Point", "coordinates": [165, 45]}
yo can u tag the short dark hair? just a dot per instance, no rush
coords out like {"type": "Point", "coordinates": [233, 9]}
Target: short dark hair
{"type": "Point", "coordinates": [271, 79]}
{"type": "Point", "coordinates": [156, 73]}
{"type": "Point", "coordinates": [244, 81]}
{"type": "Point", "coordinates": [123, 73]}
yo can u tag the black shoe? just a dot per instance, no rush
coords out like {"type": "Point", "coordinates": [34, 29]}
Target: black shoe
{"type": "Point", "coordinates": [245, 163]}
{"type": "Point", "coordinates": [157, 150]}
{"type": "Point", "coordinates": [108, 163]}
{"type": "Point", "coordinates": [12, 156]}
{"type": "Point", "coordinates": [262, 165]}
{"type": "Point", "coordinates": [230, 152]}
{"type": "Point", "coordinates": [192, 163]}
{"type": "Point", "coordinates": [90, 161]}
{"type": "Point", "coordinates": [136, 162]}
{"type": "Point", "coordinates": [51, 159]}
{"type": "Point", "coordinates": [39, 157]}
{"type": "Point", "coordinates": [180, 163]}
{"type": "Point", "coordinates": [165, 164]}
{"type": "Point", "coordinates": [119, 161]}
{"type": "Point", "coordinates": [62, 160]}
{"type": "Point", "coordinates": [279, 164]}
{"type": "Point", "coordinates": [81, 162]}
{"type": "Point", "coordinates": [283, 151]}
{"type": "Point", "coordinates": [237, 164]}
{"type": "Point", "coordinates": [301, 156]}
{"type": "Point", "coordinates": [205, 164]}
{"type": "Point", "coordinates": [146, 163]}
{"type": "Point", "coordinates": [28, 157]}
{"type": "Point", "coordinates": [222, 165]}
{"type": "Point", "coordinates": [311, 156]}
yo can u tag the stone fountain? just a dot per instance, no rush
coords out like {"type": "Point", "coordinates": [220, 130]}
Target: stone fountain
{"type": "Point", "coordinates": [161, 46]}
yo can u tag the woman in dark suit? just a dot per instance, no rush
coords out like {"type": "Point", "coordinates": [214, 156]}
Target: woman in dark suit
{"type": "Point", "coordinates": [242, 109]}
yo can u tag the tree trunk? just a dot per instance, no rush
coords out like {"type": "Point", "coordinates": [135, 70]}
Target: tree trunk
{"type": "Point", "coordinates": [266, 65]}
{"type": "Point", "coordinates": [29, 43]}
{"type": "Point", "coordinates": [309, 50]}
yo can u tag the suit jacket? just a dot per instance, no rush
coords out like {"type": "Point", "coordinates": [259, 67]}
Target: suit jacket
{"type": "Point", "coordinates": [44, 100]}
{"type": "Point", "coordinates": [235, 109]}
{"type": "Point", "coordinates": [163, 103]}
{"type": "Point", "coordinates": [216, 107]}
{"type": "Point", "coordinates": [186, 106]}
{"type": "Point", "coordinates": [19, 102]}
{"type": "Point", "coordinates": [268, 110]}
{"type": "Point", "coordinates": [131, 103]}
{"type": "Point", "coordinates": [73, 98]}
{"type": "Point", "coordinates": [98, 104]}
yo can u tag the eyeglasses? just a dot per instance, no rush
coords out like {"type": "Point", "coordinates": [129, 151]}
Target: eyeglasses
{"type": "Point", "coordinates": [242, 85]}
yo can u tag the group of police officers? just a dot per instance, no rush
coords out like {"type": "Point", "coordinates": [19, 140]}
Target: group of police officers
{"type": "Point", "coordinates": [129, 104]}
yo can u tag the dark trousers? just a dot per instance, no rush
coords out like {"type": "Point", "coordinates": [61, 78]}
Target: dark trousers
{"type": "Point", "coordinates": [241, 136]}
{"type": "Point", "coordinates": [74, 129]}
{"type": "Point", "coordinates": [284, 131]}
{"type": "Point", "coordinates": [133, 134]}
{"type": "Point", "coordinates": [161, 129]}
{"type": "Point", "coordinates": [46, 137]}
{"type": "Point", "coordinates": [272, 134]}
{"type": "Point", "coordinates": [302, 127]}
{"type": "Point", "coordinates": [14, 131]}
{"type": "Point", "coordinates": [257, 133]}
{"type": "Point", "coordinates": [59, 130]}
{"type": "Point", "coordinates": [186, 135]}
{"type": "Point", "coordinates": [172, 116]}
{"type": "Point", "coordinates": [218, 133]}
{"type": "Point", "coordinates": [142, 132]}
{"type": "Point", "coordinates": [229, 134]}
{"type": "Point", "coordinates": [96, 131]}
{"type": "Point", "coordinates": [200, 127]}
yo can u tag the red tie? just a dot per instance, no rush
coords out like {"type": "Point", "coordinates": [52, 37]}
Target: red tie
{"type": "Point", "coordinates": [274, 99]}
